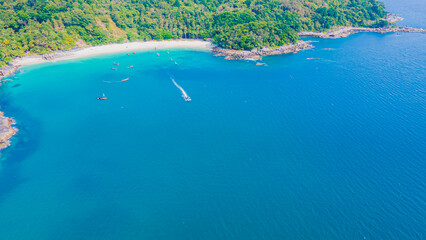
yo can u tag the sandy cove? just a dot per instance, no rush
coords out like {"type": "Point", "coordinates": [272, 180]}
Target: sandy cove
{"type": "Point", "coordinates": [113, 48]}
{"type": "Point", "coordinates": [255, 54]}
{"type": "Point", "coordinates": [100, 50]}
{"type": "Point", "coordinates": [6, 129]}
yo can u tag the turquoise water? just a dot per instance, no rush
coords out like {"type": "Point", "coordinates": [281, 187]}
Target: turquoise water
{"type": "Point", "coordinates": [332, 148]}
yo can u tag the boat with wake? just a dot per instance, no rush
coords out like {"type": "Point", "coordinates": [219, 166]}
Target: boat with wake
{"type": "Point", "coordinates": [184, 94]}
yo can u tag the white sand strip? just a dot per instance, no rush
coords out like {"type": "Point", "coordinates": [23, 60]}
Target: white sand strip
{"type": "Point", "coordinates": [113, 48]}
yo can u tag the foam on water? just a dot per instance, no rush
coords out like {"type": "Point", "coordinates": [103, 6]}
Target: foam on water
{"type": "Point", "coordinates": [184, 95]}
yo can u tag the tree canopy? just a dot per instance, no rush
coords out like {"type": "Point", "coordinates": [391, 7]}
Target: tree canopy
{"type": "Point", "coordinates": [43, 26]}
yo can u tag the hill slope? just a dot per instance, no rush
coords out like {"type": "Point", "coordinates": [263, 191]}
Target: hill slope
{"type": "Point", "coordinates": [41, 26]}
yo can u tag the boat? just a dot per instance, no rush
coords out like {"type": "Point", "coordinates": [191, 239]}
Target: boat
{"type": "Point", "coordinates": [116, 64]}
{"type": "Point", "coordinates": [114, 68]}
{"type": "Point", "coordinates": [103, 97]}
{"type": "Point", "coordinates": [126, 79]}
{"type": "Point", "coordinates": [129, 67]}
{"type": "Point", "coordinates": [187, 99]}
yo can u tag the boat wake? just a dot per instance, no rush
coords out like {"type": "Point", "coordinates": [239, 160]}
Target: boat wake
{"type": "Point", "coordinates": [124, 80]}
{"type": "Point", "coordinates": [184, 94]}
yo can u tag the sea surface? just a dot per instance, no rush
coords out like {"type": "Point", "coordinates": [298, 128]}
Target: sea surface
{"type": "Point", "coordinates": [328, 148]}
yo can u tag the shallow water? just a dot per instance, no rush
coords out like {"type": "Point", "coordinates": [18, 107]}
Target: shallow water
{"type": "Point", "coordinates": [331, 148]}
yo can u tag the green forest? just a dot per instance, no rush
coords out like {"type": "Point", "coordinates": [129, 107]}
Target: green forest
{"type": "Point", "coordinates": [43, 26]}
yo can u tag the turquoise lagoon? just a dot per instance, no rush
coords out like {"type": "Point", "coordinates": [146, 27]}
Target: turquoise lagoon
{"type": "Point", "coordinates": [331, 148]}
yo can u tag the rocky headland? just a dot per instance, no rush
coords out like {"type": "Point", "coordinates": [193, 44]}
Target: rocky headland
{"type": "Point", "coordinates": [257, 54]}
{"type": "Point", "coordinates": [6, 130]}
{"type": "Point", "coordinates": [342, 32]}
{"type": "Point", "coordinates": [8, 70]}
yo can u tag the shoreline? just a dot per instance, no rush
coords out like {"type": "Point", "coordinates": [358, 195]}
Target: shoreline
{"type": "Point", "coordinates": [229, 54]}
{"type": "Point", "coordinates": [6, 130]}
{"type": "Point", "coordinates": [257, 54]}
{"type": "Point", "coordinates": [342, 32]}
{"type": "Point", "coordinates": [6, 124]}
{"type": "Point", "coordinates": [91, 51]}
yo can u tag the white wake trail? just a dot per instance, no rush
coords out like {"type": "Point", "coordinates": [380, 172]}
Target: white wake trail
{"type": "Point", "coordinates": [184, 94]}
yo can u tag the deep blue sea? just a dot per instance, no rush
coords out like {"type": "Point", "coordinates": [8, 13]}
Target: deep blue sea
{"type": "Point", "coordinates": [329, 148]}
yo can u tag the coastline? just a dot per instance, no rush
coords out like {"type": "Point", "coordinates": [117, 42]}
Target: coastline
{"type": "Point", "coordinates": [342, 32]}
{"type": "Point", "coordinates": [85, 52]}
{"type": "Point", "coordinates": [229, 54]}
{"type": "Point", "coordinates": [6, 130]}
{"type": "Point", "coordinates": [257, 54]}
{"type": "Point", "coordinates": [6, 124]}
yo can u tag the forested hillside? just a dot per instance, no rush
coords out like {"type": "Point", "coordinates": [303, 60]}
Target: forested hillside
{"type": "Point", "coordinates": [41, 26]}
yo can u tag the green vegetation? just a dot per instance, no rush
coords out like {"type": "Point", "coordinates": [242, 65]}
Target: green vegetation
{"type": "Point", "coordinates": [42, 26]}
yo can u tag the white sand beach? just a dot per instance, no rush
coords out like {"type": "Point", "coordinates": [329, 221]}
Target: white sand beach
{"type": "Point", "coordinates": [112, 48]}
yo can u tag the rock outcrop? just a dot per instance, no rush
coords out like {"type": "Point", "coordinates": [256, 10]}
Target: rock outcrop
{"type": "Point", "coordinates": [346, 31]}
{"type": "Point", "coordinates": [6, 130]}
{"type": "Point", "coordinates": [256, 54]}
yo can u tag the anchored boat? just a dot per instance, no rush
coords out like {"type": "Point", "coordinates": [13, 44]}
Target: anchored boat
{"type": "Point", "coordinates": [103, 97]}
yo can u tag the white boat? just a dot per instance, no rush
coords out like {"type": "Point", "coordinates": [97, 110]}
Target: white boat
{"type": "Point", "coordinates": [103, 97]}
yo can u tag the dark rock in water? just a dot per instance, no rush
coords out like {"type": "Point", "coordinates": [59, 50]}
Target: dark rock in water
{"type": "Point", "coordinates": [16, 85]}
{"type": "Point", "coordinates": [6, 130]}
